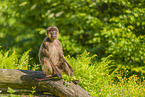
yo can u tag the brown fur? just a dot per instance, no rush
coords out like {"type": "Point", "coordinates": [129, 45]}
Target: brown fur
{"type": "Point", "coordinates": [51, 56]}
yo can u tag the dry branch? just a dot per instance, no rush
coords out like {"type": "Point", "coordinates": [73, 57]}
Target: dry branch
{"type": "Point", "coordinates": [26, 79]}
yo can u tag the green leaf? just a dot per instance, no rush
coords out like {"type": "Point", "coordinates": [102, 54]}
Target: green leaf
{"type": "Point", "coordinates": [42, 31]}
{"type": "Point", "coordinates": [10, 90]}
{"type": "Point", "coordinates": [12, 21]}
{"type": "Point", "coordinates": [23, 3]}
{"type": "Point", "coordinates": [127, 11]}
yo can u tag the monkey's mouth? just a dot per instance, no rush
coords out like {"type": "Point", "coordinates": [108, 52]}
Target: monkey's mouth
{"type": "Point", "coordinates": [54, 37]}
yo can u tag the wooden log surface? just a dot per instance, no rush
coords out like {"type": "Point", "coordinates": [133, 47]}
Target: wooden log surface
{"type": "Point", "coordinates": [26, 79]}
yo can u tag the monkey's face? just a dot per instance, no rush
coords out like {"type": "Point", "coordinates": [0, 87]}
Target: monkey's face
{"type": "Point", "coordinates": [52, 33]}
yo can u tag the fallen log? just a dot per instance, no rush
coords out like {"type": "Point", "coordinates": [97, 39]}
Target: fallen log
{"type": "Point", "coordinates": [26, 79]}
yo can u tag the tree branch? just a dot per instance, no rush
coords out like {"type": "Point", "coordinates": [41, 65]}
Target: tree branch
{"type": "Point", "coordinates": [26, 79]}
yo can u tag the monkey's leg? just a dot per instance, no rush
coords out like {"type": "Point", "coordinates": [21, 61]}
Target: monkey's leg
{"type": "Point", "coordinates": [67, 69]}
{"type": "Point", "coordinates": [62, 59]}
{"type": "Point", "coordinates": [63, 67]}
{"type": "Point", "coordinates": [59, 67]}
{"type": "Point", "coordinates": [47, 69]}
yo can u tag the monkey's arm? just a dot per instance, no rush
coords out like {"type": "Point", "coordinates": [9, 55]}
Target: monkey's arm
{"type": "Point", "coordinates": [61, 56]}
{"type": "Point", "coordinates": [62, 59]}
{"type": "Point", "coordinates": [45, 52]}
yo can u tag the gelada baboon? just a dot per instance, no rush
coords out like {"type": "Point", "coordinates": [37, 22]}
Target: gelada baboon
{"type": "Point", "coordinates": [51, 55]}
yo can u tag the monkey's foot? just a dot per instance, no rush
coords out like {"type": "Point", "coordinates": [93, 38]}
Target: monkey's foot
{"type": "Point", "coordinates": [75, 81]}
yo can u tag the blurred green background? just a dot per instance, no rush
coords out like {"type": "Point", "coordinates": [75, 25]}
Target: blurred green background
{"type": "Point", "coordinates": [102, 27]}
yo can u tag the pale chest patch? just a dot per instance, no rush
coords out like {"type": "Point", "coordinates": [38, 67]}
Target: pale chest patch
{"type": "Point", "coordinates": [54, 53]}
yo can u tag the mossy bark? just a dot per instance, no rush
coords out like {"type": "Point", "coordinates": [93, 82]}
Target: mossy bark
{"type": "Point", "coordinates": [26, 79]}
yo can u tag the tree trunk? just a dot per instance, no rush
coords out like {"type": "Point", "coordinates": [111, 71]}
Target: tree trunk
{"type": "Point", "coordinates": [26, 79]}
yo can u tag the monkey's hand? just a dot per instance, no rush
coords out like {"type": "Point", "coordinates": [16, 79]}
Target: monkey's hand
{"type": "Point", "coordinates": [62, 59]}
{"type": "Point", "coordinates": [72, 73]}
{"type": "Point", "coordinates": [46, 53]}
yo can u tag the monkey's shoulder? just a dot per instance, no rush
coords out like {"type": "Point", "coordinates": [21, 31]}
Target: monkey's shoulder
{"type": "Point", "coordinates": [58, 44]}
{"type": "Point", "coordinates": [46, 42]}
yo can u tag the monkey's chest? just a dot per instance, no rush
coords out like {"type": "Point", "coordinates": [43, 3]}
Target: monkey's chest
{"type": "Point", "coordinates": [54, 54]}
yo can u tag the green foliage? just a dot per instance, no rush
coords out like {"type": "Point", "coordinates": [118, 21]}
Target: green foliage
{"type": "Point", "coordinates": [97, 79]}
{"type": "Point", "coordinates": [11, 91]}
{"type": "Point", "coordinates": [89, 74]}
{"type": "Point", "coordinates": [124, 37]}
{"type": "Point", "coordinates": [33, 89]}
{"type": "Point", "coordinates": [23, 62]}
{"type": "Point", "coordinates": [11, 60]}
{"type": "Point", "coordinates": [102, 27]}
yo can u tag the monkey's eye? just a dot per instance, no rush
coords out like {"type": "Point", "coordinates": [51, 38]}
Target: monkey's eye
{"type": "Point", "coordinates": [54, 32]}
{"type": "Point", "coordinates": [50, 30]}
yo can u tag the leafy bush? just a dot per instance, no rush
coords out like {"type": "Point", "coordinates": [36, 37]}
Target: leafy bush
{"type": "Point", "coordinates": [90, 75]}
{"type": "Point", "coordinates": [11, 60]}
{"type": "Point", "coordinates": [102, 27]}
{"type": "Point", "coordinates": [97, 79]}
